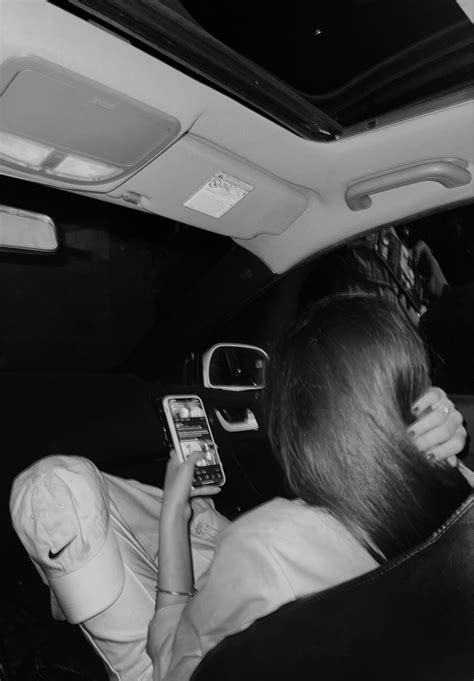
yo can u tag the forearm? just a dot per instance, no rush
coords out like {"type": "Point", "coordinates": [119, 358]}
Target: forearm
{"type": "Point", "coordinates": [174, 574]}
{"type": "Point", "coordinates": [175, 571]}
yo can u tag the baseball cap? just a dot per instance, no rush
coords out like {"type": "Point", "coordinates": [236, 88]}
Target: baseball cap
{"type": "Point", "coordinates": [59, 510]}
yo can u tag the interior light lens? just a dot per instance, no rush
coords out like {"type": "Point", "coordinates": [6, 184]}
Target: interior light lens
{"type": "Point", "coordinates": [23, 151]}
{"type": "Point", "coordinates": [80, 168]}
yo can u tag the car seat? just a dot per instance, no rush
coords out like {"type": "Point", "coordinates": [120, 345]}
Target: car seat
{"type": "Point", "coordinates": [411, 619]}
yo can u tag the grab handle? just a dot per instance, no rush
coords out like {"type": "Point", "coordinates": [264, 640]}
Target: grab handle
{"type": "Point", "coordinates": [450, 172]}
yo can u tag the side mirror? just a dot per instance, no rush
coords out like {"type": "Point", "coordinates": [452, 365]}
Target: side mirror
{"type": "Point", "coordinates": [21, 230]}
{"type": "Point", "coordinates": [234, 366]}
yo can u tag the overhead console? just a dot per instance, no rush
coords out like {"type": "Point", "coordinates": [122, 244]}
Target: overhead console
{"type": "Point", "coordinates": [59, 126]}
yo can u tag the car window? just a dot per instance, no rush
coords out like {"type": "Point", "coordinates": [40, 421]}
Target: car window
{"type": "Point", "coordinates": [446, 314]}
{"type": "Point", "coordinates": [117, 275]}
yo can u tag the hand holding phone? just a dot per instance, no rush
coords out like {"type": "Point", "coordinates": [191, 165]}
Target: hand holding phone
{"type": "Point", "coordinates": [191, 434]}
{"type": "Point", "coordinates": [179, 494]}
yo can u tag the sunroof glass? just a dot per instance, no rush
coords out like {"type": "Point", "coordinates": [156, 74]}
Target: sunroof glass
{"type": "Point", "coordinates": [314, 68]}
{"type": "Point", "coordinates": [322, 48]}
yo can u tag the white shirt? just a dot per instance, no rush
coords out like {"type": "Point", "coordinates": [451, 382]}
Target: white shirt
{"type": "Point", "coordinates": [271, 555]}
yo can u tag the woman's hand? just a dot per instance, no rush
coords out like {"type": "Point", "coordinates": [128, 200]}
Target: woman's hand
{"type": "Point", "coordinates": [178, 487]}
{"type": "Point", "coordinates": [438, 430]}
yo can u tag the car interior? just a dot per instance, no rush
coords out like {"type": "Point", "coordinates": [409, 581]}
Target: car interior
{"type": "Point", "coordinates": [176, 180]}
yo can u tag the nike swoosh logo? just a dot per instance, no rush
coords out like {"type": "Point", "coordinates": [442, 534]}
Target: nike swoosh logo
{"type": "Point", "coordinates": [55, 554]}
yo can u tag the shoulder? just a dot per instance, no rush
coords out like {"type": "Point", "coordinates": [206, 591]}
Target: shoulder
{"type": "Point", "coordinates": [308, 548]}
{"type": "Point", "coordinates": [263, 528]}
{"type": "Point", "coordinates": [272, 515]}
{"type": "Point", "coordinates": [280, 514]}
{"type": "Point", "coordinates": [289, 528]}
{"type": "Point", "coordinates": [291, 521]}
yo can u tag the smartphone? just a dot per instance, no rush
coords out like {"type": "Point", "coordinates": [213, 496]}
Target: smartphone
{"type": "Point", "coordinates": [191, 432]}
{"type": "Point", "coordinates": [399, 261]}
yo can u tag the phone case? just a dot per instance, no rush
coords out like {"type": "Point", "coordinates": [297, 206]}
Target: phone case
{"type": "Point", "coordinates": [200, 437]}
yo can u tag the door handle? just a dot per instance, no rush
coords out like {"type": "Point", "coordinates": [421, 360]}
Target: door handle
{"type": "Point", "coordinates": [248, 423]}
{"type": "Point", "coordinates": [450, 172]}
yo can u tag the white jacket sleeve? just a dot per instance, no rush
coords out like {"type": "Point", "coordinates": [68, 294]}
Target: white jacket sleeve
{"type": "Point", "coordinates": [245, 582]}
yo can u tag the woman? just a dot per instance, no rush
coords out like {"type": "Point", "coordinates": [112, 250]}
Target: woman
{"type": "Point", "coordinates": [363, 471]}
{"type": "Point", "coordinates": [339, 400]}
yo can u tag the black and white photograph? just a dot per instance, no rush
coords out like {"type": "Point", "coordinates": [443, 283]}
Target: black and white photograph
{"type": "Point", "coordinates": [237, 340]}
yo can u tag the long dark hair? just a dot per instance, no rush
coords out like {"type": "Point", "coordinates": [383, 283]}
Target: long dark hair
{"type": "Point", "coordinates": [338, 400]}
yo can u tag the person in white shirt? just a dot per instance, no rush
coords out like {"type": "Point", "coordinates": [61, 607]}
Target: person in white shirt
{"type": "Point", "coordinates": [156, 579]}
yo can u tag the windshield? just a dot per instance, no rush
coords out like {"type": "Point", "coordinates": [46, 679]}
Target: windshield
{"type": "Point", "coordinates": [118, 275]}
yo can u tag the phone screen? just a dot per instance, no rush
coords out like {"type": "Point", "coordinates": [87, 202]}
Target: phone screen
{"type": "Point", "coordinates": [192, 429]}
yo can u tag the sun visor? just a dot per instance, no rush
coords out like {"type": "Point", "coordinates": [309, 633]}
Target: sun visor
{"type": "Point", "coordinates": [59, 125]}
{"type": "Point", "coordinates": [201, 184]}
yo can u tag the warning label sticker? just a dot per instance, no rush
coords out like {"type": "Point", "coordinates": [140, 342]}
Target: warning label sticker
{"type": "Point", "coordinates": [218, 195]}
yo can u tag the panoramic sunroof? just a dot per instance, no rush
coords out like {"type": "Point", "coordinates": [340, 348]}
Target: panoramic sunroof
{"type": "Point", "coordinates": [317, 47]}
{"type": "Point", "coordinates": [323, 49]}
{"type": "Point", "coordinates": [315, 68]}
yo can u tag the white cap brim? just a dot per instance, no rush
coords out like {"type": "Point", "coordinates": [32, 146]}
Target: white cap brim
{"type": "Point", "coordinates": [93, 587]}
